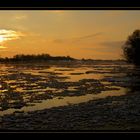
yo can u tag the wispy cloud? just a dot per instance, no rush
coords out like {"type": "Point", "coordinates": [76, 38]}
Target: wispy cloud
{"type": "Point", "coordinates": [2, 47]}
{"type": "Point", "coordinates": [87, 36]}
{"type": "Point", "coordinates": [57, 11]}
{"type": "Point", "coordinates": [20, 17]}
{"type": "Point", "coordinates": [107, 46]}
{"type": "Point", "coordinates": [77, 39]}
{"type": "Point", "coordinates": [6, 35]}
{"type": "Point", "coordinates": [112, 43]}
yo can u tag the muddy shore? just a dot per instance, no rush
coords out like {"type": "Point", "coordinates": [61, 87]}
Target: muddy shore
{"type": "Point", "coordinates": [111, 113]}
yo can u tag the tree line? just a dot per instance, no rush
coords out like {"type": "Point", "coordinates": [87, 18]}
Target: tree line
{"type": "Point", "coordinates": [33, 57]}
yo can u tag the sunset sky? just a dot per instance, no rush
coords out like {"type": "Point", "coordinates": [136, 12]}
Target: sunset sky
{"type": "Point", "coordinates": [95, 34]}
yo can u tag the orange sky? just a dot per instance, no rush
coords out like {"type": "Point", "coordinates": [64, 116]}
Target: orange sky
{"type": "Point", "coordinates": [95, 34]}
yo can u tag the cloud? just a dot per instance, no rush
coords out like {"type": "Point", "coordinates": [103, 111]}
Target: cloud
{"type": "Point", "coordinates": [58, 41]}
{"type": "Point", "coordinates": [107, 46]}
{"type": "Point", "coordinates": [2, 47]}
{"type": "Point", "coordinates": [20, 17]}
{"type": "Point", "coordinates": [6, 35]}
{"type": "Point", "coordinates": [57, 11]}
{"type": "Point", "coordinates": [76, 39]}
{"type": "Point", "coordinates": [88, 36]}
{"type": "Point", "coordinates": [112, 43]}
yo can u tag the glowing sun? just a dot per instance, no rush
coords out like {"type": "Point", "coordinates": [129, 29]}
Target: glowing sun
{"type": "Point", "coordinates": [2, 39]}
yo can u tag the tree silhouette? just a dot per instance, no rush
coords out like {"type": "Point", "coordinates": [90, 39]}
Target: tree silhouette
{"type": "Point", "coordinates": [131, 48]}
{"type": "Point", "coordinates": [34, 58]}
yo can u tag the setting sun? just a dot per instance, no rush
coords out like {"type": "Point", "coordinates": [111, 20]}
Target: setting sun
{"type": "Point", "coordinates": [1, 39]}
{"type": "Point", "coordinates": [93, 34]}
{"type": "Point", "coordinates": [6, 35]}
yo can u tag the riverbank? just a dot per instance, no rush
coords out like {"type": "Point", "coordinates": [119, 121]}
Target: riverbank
{"type": "Point", "coordinates": [111, 113]}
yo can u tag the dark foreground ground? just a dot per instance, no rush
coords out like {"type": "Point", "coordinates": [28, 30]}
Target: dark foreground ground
{"type": "Point", "coordinates": [112, 113]}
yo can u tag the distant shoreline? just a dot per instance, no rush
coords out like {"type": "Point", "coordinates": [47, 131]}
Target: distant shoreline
{"type": "Point", "coordinates": [48, 58]}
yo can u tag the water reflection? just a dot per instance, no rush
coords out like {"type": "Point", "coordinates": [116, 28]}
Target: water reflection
{"type": "Point", "coordinates": [63, 101]}
{"type": "Point", "coordinates": [26, 87]}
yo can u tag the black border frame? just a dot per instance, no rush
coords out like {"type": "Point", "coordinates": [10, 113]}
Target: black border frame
{"type": "Point", "coordinates": [69, 5]}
